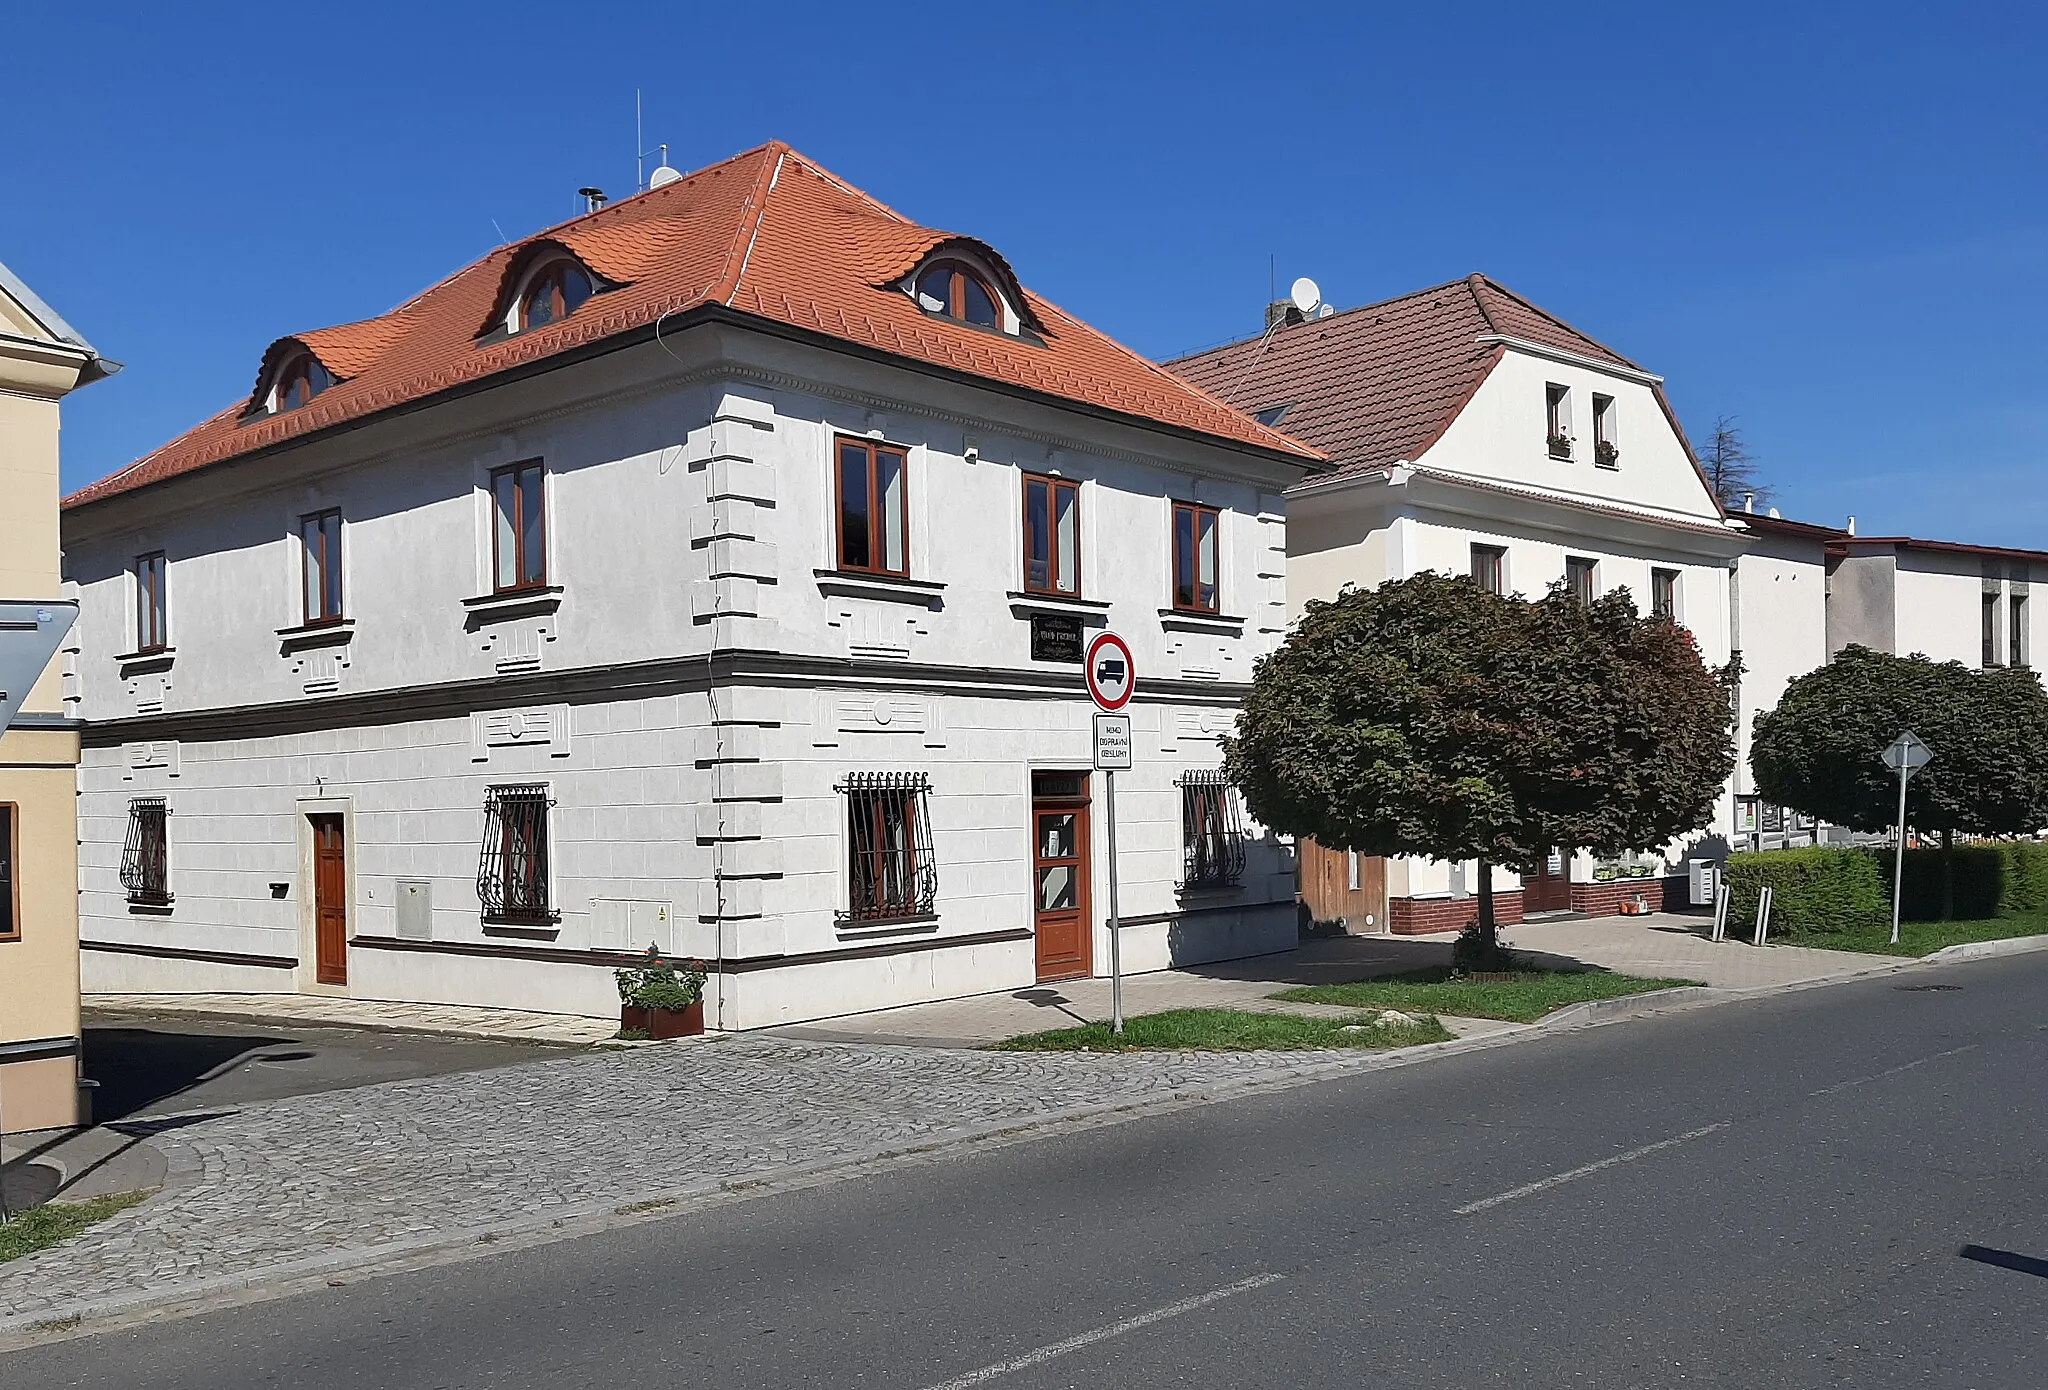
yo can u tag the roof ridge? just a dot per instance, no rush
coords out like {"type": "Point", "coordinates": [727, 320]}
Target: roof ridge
{"type": "Point", "coordinates": [1534, 308]}
{"type": "Point", "coordinates": [1260, 336]}
{"type": "Point", "coordinates": [1472, 283]}
{"type": "Point", "coordinates": [748, 228]}
{"type": "Point", "coordinates": [843, 186]}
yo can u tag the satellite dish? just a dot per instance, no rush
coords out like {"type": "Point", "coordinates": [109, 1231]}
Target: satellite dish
{"type": "Point", "coordinates": [663, 176]}
{"type": "Point", "coordinates": [1307, 297]}
{"type": "Point", "coordinates": [1326, 311]}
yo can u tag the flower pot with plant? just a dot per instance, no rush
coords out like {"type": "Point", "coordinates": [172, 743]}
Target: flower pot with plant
{"type": "Point", "coordinates": [657, 1000]}
{"type": "Point", "coordinates": [1606, 454]}
{"type": "Point", "coordinates": [1560, 445]}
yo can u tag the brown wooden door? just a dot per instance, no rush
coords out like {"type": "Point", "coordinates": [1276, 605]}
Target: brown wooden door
{"type": "Point", "coordinates": [1059, 874]}
{"type": "Point", "coordinates": [330, 902]}
{"type": "Point", "coordinates": [1549, 888]}
{"type": "Point", "coordinates": [1342, 884]}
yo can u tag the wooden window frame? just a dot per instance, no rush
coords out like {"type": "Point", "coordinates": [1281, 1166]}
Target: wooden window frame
{"type": "Point", "coordinates": [515, 868]}
{"type": "Point", "coordinates": [2017, 647]}
{"type": "Point", "coordinates": [1576, 565]}
{"type": "Point", "coordinates": [1606, 452]}
{"type": "Point", "coordinates": [959, 273]}
{"type": "Point", "coordinates": [889, 878]}
{"type": "Point", "coordinates": [548, 282]}
{"type": "Point", "coordinates": [1991, 624]}
{"type": "Point", "coordinates": [10, 870]}
{"type": "Point", "coordinates": [152, 604]}
{"type": "Point", "coordinates": [1053, 486]}
{"type": "Point", "coordinates": [304, 367]}
{"type": "Point", "coordinates": [1497, 556]}
{"type": "Point", "coordinates": [1195, 510]}
{"type": "Point", "coordinates": [1664, 605]}
{"type": "Point", "coordinates": [315, 573]}
{"type": "Point", "coordinates": [878, 549]}
{"type": "Point", "coordinates": [1558, 438]}
{"type": "Point", "coordinates": [520, 584]}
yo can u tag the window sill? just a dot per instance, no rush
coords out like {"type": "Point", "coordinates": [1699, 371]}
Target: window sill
{"type": "Point", "coordinates": [513, 603]}
{"type": "Point", "coordinates": [531, 931]}
{"type": "Point", "coordinates": [1023, 604]}
{"type": "Point", "coordinates": [924, 593]}
{"type": "Point", "coordinates": [139, 663]}
{"type": "Point", "coordinates": [151, 908]}
{"type": "Point", "coordinates": [1209, 892]}
{"type": "Point", "coordinates": [335, 632]}
{"type": "Point", "coordinates": [1614, 467]}
{"type": "Point", "coordinates": [1181, 620]}
{"type": "Point", "coordinates": [847, 924]}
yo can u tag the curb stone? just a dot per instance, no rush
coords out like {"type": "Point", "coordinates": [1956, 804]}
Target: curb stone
{"type": "Point", "coordinates": [1979, 950]}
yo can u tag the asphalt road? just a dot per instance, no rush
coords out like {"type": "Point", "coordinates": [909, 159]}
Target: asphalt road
{"type": "Point", "coordinates": [1772, 1193]}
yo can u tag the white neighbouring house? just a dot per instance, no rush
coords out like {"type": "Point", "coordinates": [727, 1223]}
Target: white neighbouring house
{"type": "Point", "coordinates": [709, 571]}
{"type": "Point", "coordinates": [1470, 432]}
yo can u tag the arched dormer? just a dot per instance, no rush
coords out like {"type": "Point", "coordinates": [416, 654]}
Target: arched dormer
{"type": "Point", "coordinates": [291, 377]}
{"type": "Point", "coordinates": [955, 281]}
{"type": "Point", "coordinates": [545, 284]}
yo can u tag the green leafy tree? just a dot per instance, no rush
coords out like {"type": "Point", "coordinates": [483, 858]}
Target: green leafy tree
{"type": "Point", "coordinates": [1429, 716]}
{"type": "Point", "coordinates": [1820, 751]}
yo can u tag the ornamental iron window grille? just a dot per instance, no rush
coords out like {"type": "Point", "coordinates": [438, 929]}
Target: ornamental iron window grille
{"type": "Point", "coordinates": [891, 871]}
{"type": "Point", "coordinates": [1212, 833]}
{"type": "Point", "coordinates": [146, 859]}
{"type": "Point", "coordinates": [512, 873]}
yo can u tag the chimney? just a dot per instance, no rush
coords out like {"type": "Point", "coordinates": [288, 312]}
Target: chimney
{"type": "Point", "coordinates": [1852, 525]}
{"type": "Point", "coordinates": [1282, 312]}
{"type": "Point", "coordinates": [594, 197]}
{"type": "Point", "coordinates": [1749, 502]}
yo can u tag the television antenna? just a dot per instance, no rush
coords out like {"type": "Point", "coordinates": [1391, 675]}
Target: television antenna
{"type": "Point", "coordinates": [663, 175]}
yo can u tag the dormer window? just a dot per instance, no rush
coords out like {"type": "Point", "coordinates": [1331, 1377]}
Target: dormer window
{"type": "Point", "coordinates": [302, 379]}
{"type": "Point", "coordinates": [554, 293]}
{"type": "Point", "coordinates": [957, 291]}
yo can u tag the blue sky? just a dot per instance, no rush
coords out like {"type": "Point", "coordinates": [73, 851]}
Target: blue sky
{"type": "Point", "coordinates": [1829, 221]}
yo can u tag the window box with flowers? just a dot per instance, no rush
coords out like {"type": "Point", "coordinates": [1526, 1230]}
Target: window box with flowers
{"type": "Point", "coordinates": [1605, 454]}
{"type": "Point", "coordinates": [656, 1000]}
{"type": "Point", "coordinates": [1560, 445]}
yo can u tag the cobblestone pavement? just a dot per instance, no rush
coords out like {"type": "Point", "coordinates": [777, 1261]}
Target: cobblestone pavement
{"type": "Point", "coordinates": [368, 1013]}
{"type": "Point", "coordinates": [272, 1185]}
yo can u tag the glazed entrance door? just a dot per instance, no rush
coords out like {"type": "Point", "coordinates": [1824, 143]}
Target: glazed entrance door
{"type": "Point", "coordinates": [1059, 874]}
{"type": "Point", "coordinates": [1549, 889]}
{"type": "Point", "coordinates": [330, 901]}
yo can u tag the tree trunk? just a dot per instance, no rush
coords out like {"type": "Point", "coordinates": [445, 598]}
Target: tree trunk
{"type": "Point", "coordinates": [1487, 931]}
{"type": "Point", "coordinates": [1948, 874]}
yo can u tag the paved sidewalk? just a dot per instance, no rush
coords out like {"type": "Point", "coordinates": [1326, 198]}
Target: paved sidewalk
{"type": "Point", "coordinates": [455, 1019]}
{"type": "Point", "coordinates": [351, 1177]}
{"type": "Point", "coordinates": [1660, 946]}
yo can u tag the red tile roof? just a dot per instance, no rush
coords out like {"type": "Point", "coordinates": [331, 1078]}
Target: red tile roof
{"type": "Point", "coordinates": [766, 233]}
{"type": "Point", "coordinates": [1379, 384]}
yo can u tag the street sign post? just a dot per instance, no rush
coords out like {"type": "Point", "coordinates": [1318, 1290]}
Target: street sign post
{"type": "Point", "coordinates": [1112, 679]}
{"type": "Point", "coordinates": [1905, 755]}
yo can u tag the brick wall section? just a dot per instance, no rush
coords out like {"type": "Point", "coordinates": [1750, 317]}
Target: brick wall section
{"type": "Point", "coordinates": [1418, 916]}
{"type": "Point", "coordinates": [1605, 899]}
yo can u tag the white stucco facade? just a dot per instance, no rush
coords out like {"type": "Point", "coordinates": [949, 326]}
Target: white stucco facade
{"type": "Point", "coordinates": [692, 690]}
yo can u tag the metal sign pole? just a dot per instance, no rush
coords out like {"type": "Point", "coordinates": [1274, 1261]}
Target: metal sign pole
{"type": "Point", "coordinates": [1116, 954]}
{"type": "Point", "coordinates": [1899, 855]}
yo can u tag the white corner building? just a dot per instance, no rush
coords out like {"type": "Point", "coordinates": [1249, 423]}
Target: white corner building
{"type": "Point", "coordinates": [708, 572]}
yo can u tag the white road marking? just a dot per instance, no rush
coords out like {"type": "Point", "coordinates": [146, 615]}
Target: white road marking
{"type": "Point", "coordinates": [1104, 1333]}
{"type": "Point", "coordinates": [1866, 1080]}
{"type": "Point", "coordinates": [1543, 1184]}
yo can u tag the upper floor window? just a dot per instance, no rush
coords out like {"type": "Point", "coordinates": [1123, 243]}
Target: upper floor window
{"type": "Point", "coordinates": [1991, 629]}
{"type": "Point", "coordinates": [1583, 577]}
{"type": "Point", "coordinates": [873, 508]}
{"type": "Point", "coordinates": [1664, 594]}
{"type": "Point", "coordinates": [301, 379]}
{"type": "Point", "coordinates": [1489, 568]}
{"type": "Point", "coordinates": [146, 857]}
{"type": "Point", "coordinates": [2017, 649]}
{"type": "Point", "coordinates": [320, 538]}
{"type": "Point", "coordinates": [554, 293]}
{"type": "Point", "coordinates": [1606, 451]}
{"type": "Point", "coordinates": [1272, 415]}
{"type": "Point", "coordinates": [1195, 585]}
{"type": "Point", "coordinates": [953, 289]}
{"type": "Point", "coordinates": [10, 890]}
{"type": "Point", "coordinates": [151, 635]}
{"type": "Point", "coordinates": [1557, 420]}
{"type": "Point", "coordinates": [519, 537]}
{"type": "Point", "coordinates": [1052, 536]}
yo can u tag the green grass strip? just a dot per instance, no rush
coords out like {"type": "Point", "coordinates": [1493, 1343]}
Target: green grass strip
{"type": "Point", "coordinates": [1227, 1030]}
{"type": "Point", "coordinates": [1919, 938]}
{"type": "Point", "coordinates": [26, 1232]}
{"type": "Point", "coordinates": [1526, 997]}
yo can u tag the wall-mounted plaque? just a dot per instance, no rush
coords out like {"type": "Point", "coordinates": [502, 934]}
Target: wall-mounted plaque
{"type": "Point", "coordinates": [1055, 637]}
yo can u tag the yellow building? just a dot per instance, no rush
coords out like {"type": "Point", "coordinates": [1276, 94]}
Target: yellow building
{"type": "Point", "coordinates": [42, 359]}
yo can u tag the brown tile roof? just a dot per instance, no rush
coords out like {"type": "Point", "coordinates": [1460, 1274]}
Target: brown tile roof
{"type": "Point", "coordinates": [766, 233]}
{"type": "Point", "coordinates": [1844, 544]}
{"type": "Point", "coordinates": [1379, 384]}
{"type": "Point", "coordinates": [1785, 526]}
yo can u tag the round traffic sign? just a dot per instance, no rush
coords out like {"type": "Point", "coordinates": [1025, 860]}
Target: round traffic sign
{"type": "Point", "coordinates": [1111, 675]}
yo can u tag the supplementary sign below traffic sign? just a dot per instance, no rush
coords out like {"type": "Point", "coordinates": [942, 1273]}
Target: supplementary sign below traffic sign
{"type": "Point", "coordinates": [1112, 743]}
{"type": "Point", "coordinates": [1907, 754]}
{"type": "Point", "coordinates": [1111, 674]}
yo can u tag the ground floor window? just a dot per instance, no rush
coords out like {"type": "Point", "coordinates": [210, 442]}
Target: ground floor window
{"type": "Point", "coordinates": [146, 858]}
{"type": "Point", "coordinates": [1212, 835]}
{"type": "Point", "coordinates": [512, 872]}
{"type": "Point", "coordinates": [10, 889]}
{"type": "Point", "coordinates": [891, 871]}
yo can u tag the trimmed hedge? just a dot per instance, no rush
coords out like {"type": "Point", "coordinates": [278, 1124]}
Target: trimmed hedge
{"type": "Point", "coordinates": [2006, 879]}
{"type": "Point", "coordinates": [1820, 889]}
